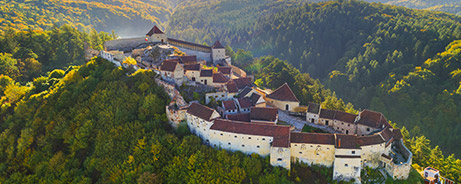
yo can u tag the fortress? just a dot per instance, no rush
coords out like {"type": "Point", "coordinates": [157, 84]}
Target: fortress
{"type": "Point", "coordinates": [248, 118]}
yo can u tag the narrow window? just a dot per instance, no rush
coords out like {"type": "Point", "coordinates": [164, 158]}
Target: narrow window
{"type": "Point", "coordinates": [353, 152]}
{"type": "Point", "coordinates": [257, 146]}
{"type": "Point", "coordinates": [235, 136]}
{"type": "Point", "coordinates": [243, 145]}
{"type": "Point", "coordinates": [326, 122]}
{"type": "Point", "coordinates": [264, 139]}
{"type": "Point", "coordinates": [346, 165]}
{"type": "Point", "coordinates": [229, 143]}
{"type": "Point", "coordinates": [279, 159]}
{"type": "Point", "coordinates": [249, 137]}
{"type": "Point", "coordinates": [300, 152]}
{"type": "Point", "coordinates": [221, 134]}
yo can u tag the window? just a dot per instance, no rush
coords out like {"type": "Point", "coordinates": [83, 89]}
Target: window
{"type": "Point", "coordinates": [353, 152]}
{"type": "Point", "coordinates": [264, 139]}
{"type": "Point", "coordinates": [368, 129]}
{"type": "Point", "coordinates": [296, 145]}
{"type": "Point", "coordinates": [300, 152]}
{"type": "Point", "coordinates": [249, 137]}
{"type": "Point", "coordinates": [221, 134]}
{"type": "Point", "coordinates": [287, 107]}
{"type": "Point", "coordinates": [342, 123]}
{"type": "Point", "coordinates": [347, 131]}
{"type": "Point", "coordinates": [326, 122]}
{"type": "Point", "coordinates": [243, 145]}
{"type": "Point", "coordinates": [223, 96]}
{"type": "Point", "coordinates": [235, 136]}
{"type": "Point", "coordinates": [346, 165]}
{"type": "Point", "coordinates": [257, 146]}
{"type": "Point", "coordinates": [279, 159]}
{"type": "Point", "coordinates": [229, 143]}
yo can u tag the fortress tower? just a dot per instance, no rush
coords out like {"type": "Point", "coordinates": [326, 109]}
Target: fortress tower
{"type": "Point", "coordinates": [156, 35]}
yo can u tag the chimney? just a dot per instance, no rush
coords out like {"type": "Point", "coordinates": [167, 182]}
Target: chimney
{"type": "Point", "coordinates": [339, 142]}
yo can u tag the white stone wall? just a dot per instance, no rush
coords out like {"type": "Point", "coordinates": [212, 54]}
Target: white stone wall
{"type": "Point", "coordinates": [241, 142]}
{"type": "Point", "coordinates": [280, 157]}
{"type": "Point", "coordinates": [124, 43]}
{"type": "Point", "coordinates": [313, 153]}
{"type": "Point", "coordinates": [312, 118]}
{"type": "Point", "coordinates": [282, 104]}
{"type": "Point", "coordinates": [371, 155]}
{"type": "Point", "coordinates": [346, 169]}
{"type": "Point", "coordinates": [201, 56]}
{"type": "Point", "coordinates": [219, 96]}
{"type": "Point", "coordinates": [218, 54]}
{"type": "Point", "coordinates": [364, 130]}
{"type": "Point", "coordinates": [200, 127]}
{"type": "Point", "coordinates": [192, 74]}
{"type": "Point", "coordinates": [344, 127]}
{"type": "Point", "coordinates": [324, 121]}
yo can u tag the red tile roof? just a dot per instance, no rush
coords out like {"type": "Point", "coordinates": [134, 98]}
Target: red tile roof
{"type": "Point", "coordinates": [345, 117]}
{"type": "Point", "coordinates": [239, 117]}
{"type": "Point", "coordinates": [200, 111]}
{"type": "Point", "coordinates": [371, 118]}
{"type": "Point", "coordinates": [219, 78]}
{"type": "Point", "coordinates": [283, 93]}
{"type": "Point", "coordinates": [217, 45]}
{"type": "Point", "coordinates": [327, 114]}
{"type": "Point", "coordinates": [313, 108]}
{"type": "Point", "coordinates": [206, 73]}
{"type": "Point", "coordinates": [370, 140]}
{"type": "Point", "coordinates": [225, 69]}
{"type": "Point", "coordinates": [231, 87]}
{"type": "Point", "coordinates": [229, 105]}
{"type": "Point", "coordinates": [254, 98]}
{"type": "Point", "coordinates": [242, 82]}
{"type": "Point", "coordinates": [244, 102]}
{"type": "Point", "coordinates": [386, 134]}
{"type": "Point", "coordinates": [194, 67]}
{"type": "Point", "coordinates": [397, 134]}
{"type": "Point", "coordinates": [187, 59]}
{"type": "Point", "coordinates": [245, 91]}
{"type": "Point", "coordinates": [168, 65]}
{"type": "Point", "coordinates": [154, 30]}
{"type": "Point", "coordinates": [346, 141]}
{"type": "Point", "coordinates": [281, 134]}
{"type": "Point", "coordinates": [263, 113]}
{"type": "Point", "coordinates": [312, 138]}
{"type": "Point", "coordinates": [188, 43]}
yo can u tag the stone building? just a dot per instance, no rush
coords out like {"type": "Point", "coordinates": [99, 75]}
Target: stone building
{"type": "Point", "coordinates": [283, 98]}
{"type": "Point", "coordinates": [264, 115]}
{"type": "Point", "coordinates": [199, 119]}
{"type": "Point", "coordinates": [156, 35]}
{"type": "Point", "coordinates": [206, 77]}
{"type": "Point", "coordinates": [192, 71]}
{"type": "Point", "coordinates": [172, 70]}
{"type": "Point", "coordinates": [312, 114]}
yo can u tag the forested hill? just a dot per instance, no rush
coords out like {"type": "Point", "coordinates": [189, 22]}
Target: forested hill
{"type": "Point", "coordinates": [354, 47]}
{"type": "Point", "coordinates": [127, 18]}
{"type": "Point", "coordinates": [451, 6]}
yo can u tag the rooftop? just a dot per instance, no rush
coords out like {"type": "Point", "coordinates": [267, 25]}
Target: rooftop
{"type": "Point", "coordinates": [206, 73]}
{"type": "Point", "coordinates": [327, 114]}
{"type": "Point", "coordinates": [244, 102]}
{"type": "Point", "coordinates": [225, 69]}
{"type": "Point", "coordinates": [219, 78]}
{"type": "Point", "coordinates": [192, 67]}
{"type": "Point", "coordinates": [283, 93]}
{"type": "Point", "coordinates": [200, 111]}
{"type": "Point", "coordinates": [231, 87]}
{"type": "Point", "coordinates": [371, 118]}
{"type": "Point", "coordinates": [229, 105]}
{"type": "Point", "coordinates": [217, 45]}
{"type": "Point", "coordinates": [168, 65]}
{"type": "Point", "coordinates": [254, 98]}
{"type": "Point", "coordinates": [245, 91]}
{"type": "Point", "coordinates": [263, 113]}
{"type": "Point", "coordinates": [154, 30]}
{"type": "Point", "coordinates": [242, 82]}
{"type": "Point", "coordinates": [345, 117]}
{"type": "Point", "coordinates": [239, 117]}
{"type": "Point", "coordinates": [313, 108]}
{"type": "Point", "coordinates": [312, 138]}
{"type": "Point", "coordinates": [346, 141]}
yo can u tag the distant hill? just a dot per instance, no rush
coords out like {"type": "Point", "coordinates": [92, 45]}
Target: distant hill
{"type": "Point", "coordinates": [127, 18]}
{"type": "Point", "coordinates": [450, 6]}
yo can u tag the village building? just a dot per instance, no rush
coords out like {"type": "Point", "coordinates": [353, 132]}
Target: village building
{"type": "Point", "coordinates": [192, 71]}
{"type": "Point", "coordinates": [312, 114]}
{"type": "Point", "coordinates": [219, 80]}
{"type": "Point", "coordinates": [344, 122]}
{"type": "Point", "coordinates": [199, 119]}
{"type": "Point", "coordinates": [283, 98]}
{"type": "Point", "coordinates": [172, 70]}
{"type": "Point", "coordinates": [370, 121]}
{"type": "Point", "coordinates": [242, 82]}
{"type": "Point", "coordinates": [206, 77]}
{"type": "Point", "coordinates": [226, 70]}
{"type": "Point", "coordinates": [231, 88]}
{"type": "Point", "coordinates": [188, 60]}
{"type": "Point", "coordinates": [156, 35]}
{"type": "Point", "coordinates": [229, 107]}
{"type": "Point", "coordinates": [257, 100]}
{"type": "Point", "coordinates": [244, 104]}
{"type": "Point", "coordinates": [347, 164]}
{"type": "Point", "coordinates": [313, 148]}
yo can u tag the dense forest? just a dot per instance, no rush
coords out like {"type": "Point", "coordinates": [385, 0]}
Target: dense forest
{"type": "Point", "coordinates": [355, 48]}
{"type": "Point", "coordinates": [127, 18]}
{"type": "Point", "coordinates": [450, 6]}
